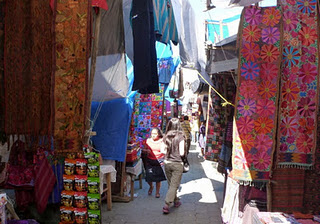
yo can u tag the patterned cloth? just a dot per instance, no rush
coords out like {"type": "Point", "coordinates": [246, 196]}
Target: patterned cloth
{"type": "Point", "coordinates": [215, 121]}
{"type": "Point", "coordinates": [28, 67]}
{"type": "Point", "coordinates": [299, 85]}
{"type": "Point", "coordinates": [288, 190]}
{"type": "Point", "coordinates": [71, 29]}
{"type": "Point", "coordinates": [148, 110]}
{"type": "Point", "coordinates": [256, 103]}
{"type": "Point", "coordinates": [164, 22]}
{"type": "Point", "coordinates": [44, 184]}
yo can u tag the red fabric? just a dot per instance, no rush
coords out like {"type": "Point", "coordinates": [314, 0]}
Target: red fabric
{"type": "Point", "coordinates": [52, 4]}
{"type": "Point", "coordinates": [44, 183]}
{"type": "Point", "coordinates": [100, 3]}
{"type": "Point", "coordinates": [155, 147]}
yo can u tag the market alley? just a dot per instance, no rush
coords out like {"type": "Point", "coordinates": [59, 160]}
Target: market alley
{"type": "Point", "coordinates": [201, 194]}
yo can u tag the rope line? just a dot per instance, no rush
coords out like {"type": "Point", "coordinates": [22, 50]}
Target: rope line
{"type": "Point", "coordinates": [226, 102]}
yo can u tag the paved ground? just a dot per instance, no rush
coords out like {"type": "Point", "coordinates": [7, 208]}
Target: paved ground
{"type": "Point", "coordinates": [201, 194]}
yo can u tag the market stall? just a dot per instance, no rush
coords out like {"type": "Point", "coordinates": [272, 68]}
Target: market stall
{"type": "Point", "coordinates": [274, 156]}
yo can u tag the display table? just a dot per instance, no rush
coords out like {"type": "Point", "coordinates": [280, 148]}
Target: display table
{"type": "Point", "coordinates": [135, 171]}
{"type": "Point", "coordinates": [108, 174]}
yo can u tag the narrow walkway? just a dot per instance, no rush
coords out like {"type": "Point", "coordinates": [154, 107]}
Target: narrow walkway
{"type": "Point", "coordinates": [201, 194]}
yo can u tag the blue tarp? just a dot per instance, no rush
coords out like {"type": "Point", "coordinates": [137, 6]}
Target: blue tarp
{"type": "Point", "coordinates": [112, 126]}
{"type": "Point", "coordinates": [112, 123]}
{"type": "Point", "coordinates": [214, 29]}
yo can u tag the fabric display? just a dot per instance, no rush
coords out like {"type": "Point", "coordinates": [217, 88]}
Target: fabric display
{"type": "Point", "coordinates": [148, 110]}
{"type": "Point", "coordinates": [28, 71]}
{"type": "Point", "coordinates": [257, 94]}
{"type": "Point", "coordinates": [217, 116]}
{"type": "Point", "coordinates": [299, 85]}
{"type": "Point", "coordinates": [72, 26]}
{"type": "Point", "coordinates": [215, 123]}
{"type": "Point", "coordinates": [226, 150]}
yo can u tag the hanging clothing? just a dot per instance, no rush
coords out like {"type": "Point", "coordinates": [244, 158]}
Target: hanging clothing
{"type": "Point", "coordinates": [165, 70]}
{"type": "Point", "coordinates": [145, 57]}
{"type": "Point", "coordinates": [164, 21]}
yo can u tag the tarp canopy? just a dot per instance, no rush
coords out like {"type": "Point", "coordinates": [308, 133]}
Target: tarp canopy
{"type": "Point", "coordinates": [110, 81]}
{"type": "Point", "coordinates": [223, 56]}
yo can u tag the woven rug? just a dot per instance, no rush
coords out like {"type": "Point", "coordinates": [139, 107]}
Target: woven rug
{"type": "Point", "coordinates": [28, 67]}
{"type": "Point", "coordinates": [288, 190]}
{"type": "Point", "coordinates": [254, 129]}
{"type": "Point", "coordinates": [72, 40]}
{"type": "Point", "coordinates": [299, 85]}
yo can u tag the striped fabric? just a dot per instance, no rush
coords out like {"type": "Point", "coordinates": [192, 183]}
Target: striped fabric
{"type": "Point", "coordinates": [164, 22]}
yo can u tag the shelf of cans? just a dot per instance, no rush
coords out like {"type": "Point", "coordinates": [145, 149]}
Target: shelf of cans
{"type": "Point", "coordinates": [80, 198]}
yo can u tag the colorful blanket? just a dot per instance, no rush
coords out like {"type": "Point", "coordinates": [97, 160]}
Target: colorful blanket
{"type": "Point", "coordinates": [72, 40]}
{"type": "Point", "coordinates": [299, 85]}
{"type": "Point", "coordinates": [257, 95]}
{"type": "Point", "coordinates": [28, 67]}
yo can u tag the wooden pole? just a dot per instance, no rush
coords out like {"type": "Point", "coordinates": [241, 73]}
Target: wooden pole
{"type": "Point", "coordinates": [95, 49]}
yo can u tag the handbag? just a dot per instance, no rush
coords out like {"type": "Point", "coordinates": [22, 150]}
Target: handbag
{"type": "Point", "coordinates": [186, 165]}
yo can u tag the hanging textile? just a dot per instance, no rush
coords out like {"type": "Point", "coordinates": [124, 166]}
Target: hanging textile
{"type": "Point", "coordinates": [72, 40]}
{"type": "Point", "coordinates": [288, 190]}
{"type": "Point", "coordinates": [164, 21]}
{"type": "Point", "coordinates": [145, 58]}
{"type": "Point", "coordinates": [216, 121]}
{"type": "Point", "coordinates": [28, 67]}
{"type": "Point", "coordinates": [299, 85]}
{"type": "Point", "coordinates": [224, 161]}
{"type": "Point", "coordinates": [148, 111]}
{"type": "Point", "coordinates": [254, 129]}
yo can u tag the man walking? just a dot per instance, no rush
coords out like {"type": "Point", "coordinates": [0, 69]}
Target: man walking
{"type": "Point", "coordinates": [187, 131]}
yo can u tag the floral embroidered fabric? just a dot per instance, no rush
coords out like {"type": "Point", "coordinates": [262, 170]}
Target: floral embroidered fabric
{"type": "Point", "coordinates": [299, 84]}
{"type": "Point", "coordinates": [72, 39]}
{"type": "Point", "coordinates": [257, 95]}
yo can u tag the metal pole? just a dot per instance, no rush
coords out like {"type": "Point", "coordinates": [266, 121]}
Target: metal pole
{"type": "Point", "coordinates": [92, 72]}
